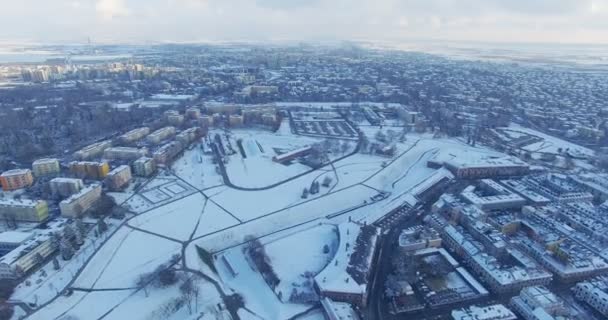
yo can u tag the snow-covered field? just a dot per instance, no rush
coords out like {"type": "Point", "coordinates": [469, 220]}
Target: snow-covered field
{"type": "Point", "coordinates": [175, 220]}
{"type": "Point", "coordinates": [126, 256]}
{"type": "Point", "coordinates": [258, 296]}
{"type": "Point", "coordinates": [551, 144]}
{"type": "Point", "coordinates": [297, 258]}
{"type": "Point", "coordinates": [201, 175]}
{"type": "Point", "coordinates": [189, 205]}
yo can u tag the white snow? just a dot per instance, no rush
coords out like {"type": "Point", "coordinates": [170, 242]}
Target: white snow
{"type": "Point", "coordinates": [258, 296]}
{"type": "Point", "coordinates": [296, 254]}
{"type": "Point", "coordinates": [127, 255]}
{"type": "Point", "coordinates": [175, 220]}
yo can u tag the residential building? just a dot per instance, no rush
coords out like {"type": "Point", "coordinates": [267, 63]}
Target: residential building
{"type": "Point", "coordinates": [10, 240]}
{"type": "Point", "coordinates": [595, 293]}
{"type": "Point", "coordinates": [144, 167]}
{"type": "Point", "coordinates": [89, 169]}
{"type": "Point", "coordinates": [16, 179]}
{"type": "Point", "coordinates": [492, 312]}
{"type": "Point", "coordinates": [490, 195]}
{"type": "Point", "coordinates": [205, 121]}
{"type": "Point", "coordinates": [187, 136]}
{"type": "Point", "coordinates": [79, 203]}
{"type": "Point", "coordinates": [167, 152]}
{"type": "Point", "coordinates": [193, 113]}
{"type": "Point", "coordinates": [134, 135]}
{"type": "Point", "coordinates": [538, 303]}
{"type": "Point", "coordinates": [161, 134]}
{"type": "Point", "coordinates": [44, 167]}
{"type": "Point", "coordinates": [487, 168]}
{"type": "Point", "coordinates": [24, 210]}
{"type": "Point", "coordinates": [65, 187]}
{"type": "Point", "coordinates": [124, 153]}
{"type": "Point", "coordinates": [92, 151]}
{"type": "Point", "coordinates": [235, 120]}
{"type": "Point", "coordinates": [338, 310]}
{"type": "Point", "coordinates": [119, 177]}
{"type": "Point", "coordinates": [419, 237]}
{"type": "Point", "coordinates": [26, 257]}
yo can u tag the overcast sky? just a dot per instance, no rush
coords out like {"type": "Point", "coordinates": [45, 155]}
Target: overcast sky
{"type": "Point", "coordinates": [558, 21]}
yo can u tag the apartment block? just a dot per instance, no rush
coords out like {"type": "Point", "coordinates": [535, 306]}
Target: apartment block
{"type": "Point", "coordinates": [45, 167]}
{"type": "Point", "coordinates": [16, 179]}
{"type": "Point", "coordinates": [79, 203]}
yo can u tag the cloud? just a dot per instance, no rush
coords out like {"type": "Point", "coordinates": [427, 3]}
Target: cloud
{"type": "Point", "coordinates": [110, 9]}
{"type": "Point", "coordinates": [260, 20]}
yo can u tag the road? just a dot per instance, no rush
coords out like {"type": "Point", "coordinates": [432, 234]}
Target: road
{"type": "Point", "coordinates": [377, 308]}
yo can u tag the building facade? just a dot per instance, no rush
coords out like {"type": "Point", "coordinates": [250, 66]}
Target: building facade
{"type": "Point", "coordinates": [92, 151]}
{"type": "Point", "coordinates": [24, 210]}
{"type": "Point", "coordinates": [44, 167]}
{"type": "Point", "coordinates": [124, 153]}
{"type": "Point", "coordinates": [119, 178]}
{"type": "Point", "coordinates": [77, 204]}
{"type": "Point", "coordinates": [144, 167]}
{"type": "Point", "coordinates": [89, 169]}
{"type": "Point", "coordinates": [65, 187]}
{"type": "Point", "coordinates": [16, 179]}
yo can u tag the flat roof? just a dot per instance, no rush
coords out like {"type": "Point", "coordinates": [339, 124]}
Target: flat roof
{"type": "Point", "coordinates": [14, 236]}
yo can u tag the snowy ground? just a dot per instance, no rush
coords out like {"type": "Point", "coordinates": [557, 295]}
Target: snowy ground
{"type": "Point", "coordinates": [188, 205]}
{"type": "Point", "coordinates": [551, 144]}
{"type": "Point", "coordinates": [295, 255]}
{"type": "Point", "coordinates": [46, 283]}
{"type": "Point", "coordinates": [129, 254]}
{"type": "Point", "coordinates": [201, 175]}
{"type": "Point", "coordinates": [131, 304]}
{"type": "Point", "coordinates": [257, 169]}
{"type": "Point", "coordinates": [259, 298]}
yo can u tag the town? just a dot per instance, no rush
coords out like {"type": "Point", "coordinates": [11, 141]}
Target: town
{"type": "Point", "coordinates": [300, 182]}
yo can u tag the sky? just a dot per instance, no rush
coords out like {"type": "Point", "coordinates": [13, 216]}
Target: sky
{"type": "Point", "coordinates": [140, 21]}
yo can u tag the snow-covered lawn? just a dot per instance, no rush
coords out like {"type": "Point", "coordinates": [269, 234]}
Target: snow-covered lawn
{"type": "Point", "coordinates": [128, 254]}
{"type": "Point", "coordinates": [81, 305]}
{"type": "Point", "coordinates": [258, 169]}
{"type": "Point", "coordinates": [214, 218]}
{"type": "Point", "coordinates": [131, 304]}
{"type": "Point", "coordinates": [175, 220]}
{"type": "Point", "coordinates": [199, 174]}
{"type": "Point", "coordinates": [295, 255]}
{"type": "Point", "coordinates": [551, 144]}
{"type": "Point", "coordinates": [257, 295]}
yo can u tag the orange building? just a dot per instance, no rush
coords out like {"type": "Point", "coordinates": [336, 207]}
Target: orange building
{"type": "Point", "coordinates": [16, 179]}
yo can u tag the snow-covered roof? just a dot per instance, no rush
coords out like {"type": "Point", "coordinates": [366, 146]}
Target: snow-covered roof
{"type": "Point", "coordinates": [339, 310]}
{"type": "Point", "coordinates": [19, 202]}
{"type": "Point", "coordinates": [14, 237]}
{"type": "Point", "coordinates": [14, 172]}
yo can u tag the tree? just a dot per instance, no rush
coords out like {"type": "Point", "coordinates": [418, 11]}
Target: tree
{"type": "Point", "coordinates": [69, 233]}
{"type": "Point", "coordinates": [380, 136]}
{"type": "Point", "coordinates": [325, 249]}
{"type": "Point", "coordinates": [6, 311]}
{"type": "Point", "coordinates": [166, 277]}
{"type": "Point", "coordinates": [101, 226]}
{"type": "Point", "coordinates": [7, 287]}
{"type": "Point", "coordinates": [65, 249]}
{"type": "Point", "coordinates": [56, 265]}
{"type": "Point", "coordinates": [305, 193]}
{"type": "Point", "coordinates": [80, 227]}
{"type": "Point", "coordinates": [190, 292]}
{"type": "Point", "coordinates": [326, 181]}
{"type": "Point", "coordinates": [344, 147]}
